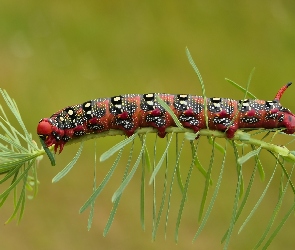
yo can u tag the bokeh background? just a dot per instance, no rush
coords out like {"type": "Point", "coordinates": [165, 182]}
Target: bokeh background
{"type": "Point", "coordinates": [57, 53]}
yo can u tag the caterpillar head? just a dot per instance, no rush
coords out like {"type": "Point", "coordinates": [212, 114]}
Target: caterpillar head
{"type": "Point", "coordinates": [289, 123]}
{"type": "Point", "coordinates": [288, 120]}
{"type": "Point", "coordinates": [44, 128]}
{"type": "Point", "coordinates": [50, 134]}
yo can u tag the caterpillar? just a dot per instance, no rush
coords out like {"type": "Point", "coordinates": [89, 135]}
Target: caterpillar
{"type": "Point", "coordinates": [132, 111]}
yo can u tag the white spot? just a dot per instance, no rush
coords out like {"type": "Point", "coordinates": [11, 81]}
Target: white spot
{"type": "Point", "coordinates": [183, 96]}
{"type": "Point", "coordinates": [150, 103]}
{"type": "Point", "coordinates": [117, 98]}
{"type": "Point", "coordinates": [149, 95]}
{"type": "Point", "coordinates": [183, 102]}
{"type": "Point", "coordinates": [88, 104]}
{"type": "Point", "coordinates": [70, 112]}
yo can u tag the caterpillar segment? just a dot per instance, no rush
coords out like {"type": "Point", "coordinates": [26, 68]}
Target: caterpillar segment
{"type": "Point", "coordinates": [132, 111]}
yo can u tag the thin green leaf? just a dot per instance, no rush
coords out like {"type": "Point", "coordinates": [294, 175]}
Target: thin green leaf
{"type": "Point", "coordinates": [14, 183]}
{"type": "Point", "coordinates": [48, 152]}
{"type": "Point", "coordinates": [156, 225]}
{"type": "Point", "coordinates": [276, 231]}
{"type": "Point", "coordinates": [146, 163]}
{"type": "Point", "coordinates": [244, 201]}
{"type": "Point", "coordinates": [35, 178]}
{"type": "Point", "coordinates": [20, 200]}
{"type": "Point", "coordinates": [156, 170]}
{"type": "Point", "coordinates": [91, 213]}
{"type": "Point", "coordinates": [6, 131]}
{"type": "Point", "coordinates": [13, 107]}
{"type": "Point", "coordinates": [67, 169]}
{"type": "Point", "coordinates": [7, 166]}
{"type": "Point", "coordinates": [179, 179]}
{"type": "Point", "coordinates": [13, 143]}
{"type": "Point", "coordinates": [147, 160]}
{"type": "Point", "coordinates": [154, 183]}
{"type": "Point", "coordinates": [217, 145]}
{"type": "Point", "coordinates": [10, 173]}
{"type": "Point", "coordinates": [239, 169]}
{"type": "Point", "coordinates": [249, 94]}
{"type": "Point", "coordinates": [117, 147]}
{"type": "Point", "coordinates": [241, 103]}
{"type": "Point", "coordinates": [234, 211]}
{"type": "Point", "coordinates": [184, 197]}
{"type": "Point", "coordinates": [22, 208]}
{"type": "Point", "coordinates": [214, 196]}
{"type": "Point", "coordinates": [112, 215]}
{"type": "Point", "coordinates": [190, 136]}
{"type": "Point", "coordinates": [120, 190]}
{"type": "Point", "coordinates": [248, 83]}
{"type": "Point", "coordinates": [142, 193]}
{"type": "Point", "coordinates": [207, 183]}
{"type": "Point", "coordinates": [285, 171]}
{"type": "Point", "coordinates": [239, 190]}
{"type": "Point", "coordinates": [117, 201]}
{"type": "Point", "coordinates": [244, 137]}
{"type": "Point", "coordinates": [106, 179]}
{"type": "Point", "coordinates": [176, 170]}
{"type": "Point", "coordinates": [249, 155]}
{"type": "Point", "coordinates": [259, 200]}
{"type": "Point", "coordinates": [170, 112]}
{"type": "Point", "coordinates": [199, 165]}
{"type": "Point", "coordinates": [192, 63]}
{"type": "Point", "coordinates": [274, 215]}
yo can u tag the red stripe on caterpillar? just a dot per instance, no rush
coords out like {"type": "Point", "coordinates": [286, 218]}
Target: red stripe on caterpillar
{"type": "Point", "coordinates": [132, 111]}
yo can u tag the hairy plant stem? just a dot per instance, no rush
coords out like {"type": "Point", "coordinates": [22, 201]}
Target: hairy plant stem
{"type": "Point", "coordinates": [239, 136]}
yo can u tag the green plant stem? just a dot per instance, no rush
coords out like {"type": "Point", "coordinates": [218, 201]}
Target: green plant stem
{"type": "Point", "coordinates": [239, 136]}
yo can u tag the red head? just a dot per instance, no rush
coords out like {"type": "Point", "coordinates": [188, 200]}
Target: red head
{"type": "Point", "coordinates": [289, 122]}
{"type": "Point", "coordinates": [45, 131]}
{"type": "Point", "coordinates": [44, 128]}
{"type": "Point", "coordinates": [52, 135]}
{"type": "Point", "coordinates": [289, 118]}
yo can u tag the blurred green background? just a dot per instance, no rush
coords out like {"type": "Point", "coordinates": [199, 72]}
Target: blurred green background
{"type": "Point", "coordinates": [57, 53]}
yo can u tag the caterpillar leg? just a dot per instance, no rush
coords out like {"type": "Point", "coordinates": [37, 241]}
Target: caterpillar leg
{"type": "Point", "coordinates": [230, 132]}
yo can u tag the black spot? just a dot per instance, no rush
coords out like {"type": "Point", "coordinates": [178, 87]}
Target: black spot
{"type": "Point", "coordinates": [144, 105]}
{"type": "Point", "coordinates": [117, 105]}
{"type": "Point", "coordinates": [66, 138]}
{"type": "Point", "coordinates": [87, 109]}
{"type": "Point", "coordinates": [95, 126]}
{"type": "Point", "coordinates": [244, 105]}
{"type": "Point", "coordinates": [182, 97]}
{"type": "Point", "coordinates": [56, 136]}
{"type": "Point", "coordinates": [79, 133]}
{"type": "Point", "coordinates": [116, 102]}
{"type": "Point", "coordinates": [212, 105]}
{"type": "Point", "coordinates": [73, 115]}
{"type": "Point", "coordinates": [149, 97]}
{"type": "Point", "coordinates": [250, 120]}
{"type": "Point", "coordinates": [215, 100]}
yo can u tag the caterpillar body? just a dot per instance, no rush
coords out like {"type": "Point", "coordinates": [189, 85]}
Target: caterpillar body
{"type": "Point", "coordinates": [132, 111]}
